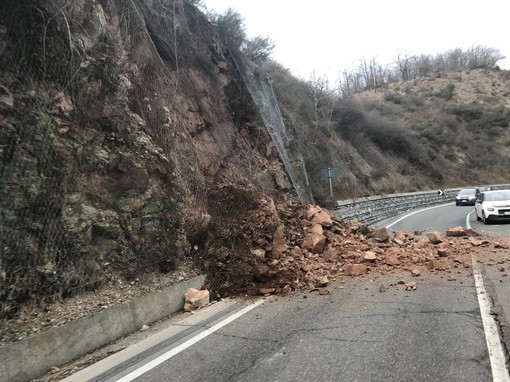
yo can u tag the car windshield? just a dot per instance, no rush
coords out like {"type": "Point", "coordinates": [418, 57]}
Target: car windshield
{"type": "Point", "coordinates": [467, 191]}
{"type": "Point", "coordinates": [497, 196]}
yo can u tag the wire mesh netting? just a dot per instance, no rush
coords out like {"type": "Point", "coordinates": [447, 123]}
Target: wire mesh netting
{"type": "Point", "coordinates": [108, 166]}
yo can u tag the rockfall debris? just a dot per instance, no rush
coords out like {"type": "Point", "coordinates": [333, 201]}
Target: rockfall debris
{"type": "Point", "coordinates": [295, 248]}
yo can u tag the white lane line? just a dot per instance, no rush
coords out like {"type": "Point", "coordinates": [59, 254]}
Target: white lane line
{"type": "Point", "coordinates": [416, 212]}
{"type": "Point", "coordinates": [468, 224]}
{"type": "Point", "coordinates": [496, 354]}
{"type": "Point", "coordinates": [164, 357]}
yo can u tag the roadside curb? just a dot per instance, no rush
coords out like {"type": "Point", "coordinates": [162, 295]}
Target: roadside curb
{"type": "Point", "coordinates": [34, 356]}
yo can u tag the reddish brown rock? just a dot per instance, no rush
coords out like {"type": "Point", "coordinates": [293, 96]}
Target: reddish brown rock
{"type": "Point", "coordinates": [380, 235]}
{"type": "Point", "coordinates": [411, 285]}
{"type": "Point", "coordinates": [312, 211]}
{"type": "Point", "coordinates": [435, 237]}
{"type": "Point", "coordinates": [351, 255]}
{"type": "Point", "coordinates": [391, 259]}
{"type": "Point", "coordinates": [194, 299]}
{"type": "Point", "coordinates": [316, 228]}
{"type": "Point", "coordinates": [415, 272]}
{"type": "Point", "coordinates": [324, 281]}
{"type": "Point", "coordinates": [322, 218]}
{"type": "Point", "coordinates": [471, 233]}
{"type": "Point", "coordinates": [297, 252]}
{"type": "Point", "coordinates": [382, 288]}
{"type": "Point", "coordinates": [457, 231]}
{"type": "Point", "coordinates": [434, 265]}
{"type": "Point", "coordinates": [279, 245]}
{"type": "Point", "coordinates": [356, 269]}
{"type": "Point", "coordinates": [399, 238]}
{"type": "Point", "coordinates": [307, 267]}
{"type": "Point", "coordinates": [476, 242]}
{"type": "Point", "coordinates": [330, 254]}
{"type": "Point", "coordinates": [501, 244]}
{"type": "Point", "coordinates": [369, 257]}
{"type": "Point", "coordinates": [420, 243]}
{"type": "Point", "coordinates": [314, 243]}
{"type": "Point", "coordinates": [443, 249]}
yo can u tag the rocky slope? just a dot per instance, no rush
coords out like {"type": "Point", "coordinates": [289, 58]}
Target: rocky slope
{"type": "Point", "coordinates": [127, 137]}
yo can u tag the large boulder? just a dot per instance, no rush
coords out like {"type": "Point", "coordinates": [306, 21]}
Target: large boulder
{"type": "Point", "coordinates": [380, 235]}
{"type": "Point", "coordinates": [314, 243]}
{"type": "Point", "coordinates": [435, 237]}
{"type": "Point", "coordinates": [356, 269]}
{"type": "Point", "coordinates": [194, 299]}
{"type": "Point", "coordinates": [456, 231]}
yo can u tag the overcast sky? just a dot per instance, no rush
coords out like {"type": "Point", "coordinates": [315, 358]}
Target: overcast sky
{"type": "Point", "coordinates": [331, 35]}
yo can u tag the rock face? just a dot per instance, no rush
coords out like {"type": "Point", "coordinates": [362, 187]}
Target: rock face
{"type": "Point", "coordinates": [118, 158]}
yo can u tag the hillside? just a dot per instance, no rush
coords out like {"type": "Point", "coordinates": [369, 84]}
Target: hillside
{"type": "Point", "coordinates": [134, 139]}
{"type": "Point", "coordinates": [446, 129]}
{"type": "Point", "coordinates": [461, 119]}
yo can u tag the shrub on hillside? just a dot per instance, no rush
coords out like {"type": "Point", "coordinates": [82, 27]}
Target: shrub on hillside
{"type": "Point", "coordinates": [467, 112]}
{"type": "Point", "coordinates": [447, 92]}
{"type": "Point", "coordinates": [396, 98]}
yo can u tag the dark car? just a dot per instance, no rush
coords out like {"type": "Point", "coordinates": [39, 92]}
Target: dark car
{"type": "Point", "coordinates": [467, 196]}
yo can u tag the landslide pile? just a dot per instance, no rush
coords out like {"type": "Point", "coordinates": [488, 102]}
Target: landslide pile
{"type": "Point", "coordinates": [288, 247]}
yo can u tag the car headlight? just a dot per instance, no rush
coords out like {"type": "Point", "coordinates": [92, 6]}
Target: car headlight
{"type": "Point", "coordinates": [490, 209]}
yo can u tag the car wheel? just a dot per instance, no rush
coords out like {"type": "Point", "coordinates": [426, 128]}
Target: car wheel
{"type": "Point", "coordinates": [478, 218]}
{"type": "Point", "coordinates": [485, 220]}
{"type": "Point", "coordinates": [456, 203]}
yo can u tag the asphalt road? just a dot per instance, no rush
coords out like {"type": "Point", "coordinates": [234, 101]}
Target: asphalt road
{"type": "Point", "coordinates": [441, 218]}
{"type": "Point", "coordinates": [357, 333]}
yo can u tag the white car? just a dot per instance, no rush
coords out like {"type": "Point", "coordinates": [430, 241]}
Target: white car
{"type": "Point", "coordinates": [493, 205]}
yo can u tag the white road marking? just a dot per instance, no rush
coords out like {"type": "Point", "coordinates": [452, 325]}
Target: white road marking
{"type": "Point", "coordinates": [164, 357]}
{"type": "Point", "coordinates": [415, 212]}
{"type": "Point", "coordinates": [496, 354]}
{"type": "Point", "coordinates": [468, 224]}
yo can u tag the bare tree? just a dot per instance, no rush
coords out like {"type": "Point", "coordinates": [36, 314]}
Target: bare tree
{"type": "Point", "coordinates": [323, 98]}
{"type": "Point", "coordinates": [403, 63]}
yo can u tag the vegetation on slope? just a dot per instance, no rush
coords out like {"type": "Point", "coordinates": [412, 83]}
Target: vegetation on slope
{"type": "Point", "coordinates": [445, 129]}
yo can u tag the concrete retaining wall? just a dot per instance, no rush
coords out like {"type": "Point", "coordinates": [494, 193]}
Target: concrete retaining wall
{"type": "Point", "coordinates": [30, 358]}
{"type": "Point", "coordinates": [375, 208]}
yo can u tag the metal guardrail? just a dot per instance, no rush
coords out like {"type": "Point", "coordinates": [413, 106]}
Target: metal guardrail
{"type": "Point", "coordinates": [371, 209]}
